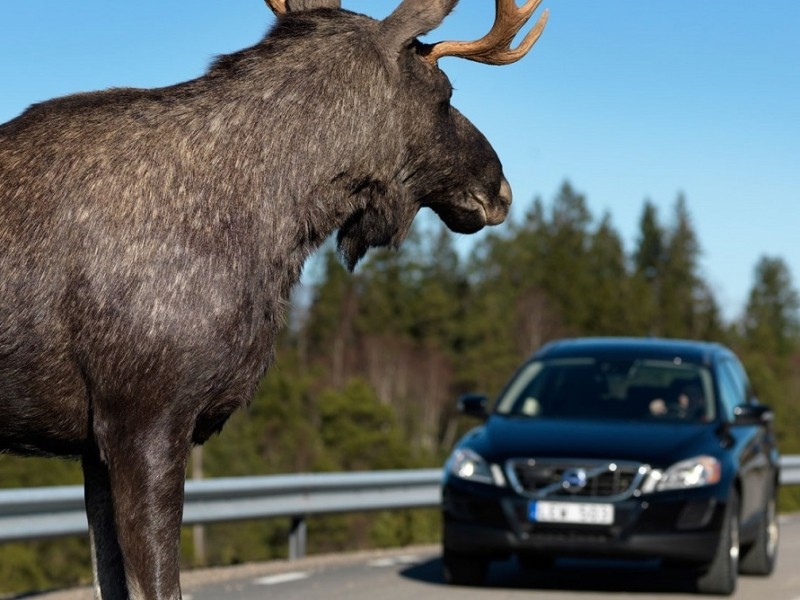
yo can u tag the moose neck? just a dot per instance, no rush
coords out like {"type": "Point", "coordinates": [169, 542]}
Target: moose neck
{"type": "Point", "coordinates": [303, 143]}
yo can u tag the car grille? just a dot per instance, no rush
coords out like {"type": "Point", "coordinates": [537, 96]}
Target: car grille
{"type": "Point", "coordinates": [538, 478]}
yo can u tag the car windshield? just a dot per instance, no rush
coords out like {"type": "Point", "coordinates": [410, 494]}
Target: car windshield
{"type": "Point", "coordinates": [589, 388]}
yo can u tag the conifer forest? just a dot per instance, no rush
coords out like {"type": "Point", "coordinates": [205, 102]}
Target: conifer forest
{"type": "Point", "coordinates": [370, 364]}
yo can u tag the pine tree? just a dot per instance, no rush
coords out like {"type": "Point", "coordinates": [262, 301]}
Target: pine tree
{"type": "Point", "coordinates": [770, 348]}
{"type": "Point", "coordinates": [667, 278]}
{"type": "Point", "coordinates": [650, 246]}
{"type": "Point", "coordinates": [648, 261]}
{"type": "Point", "coordinates": [772, 317]}
{"type": "Point", "coordinates": [608, 304]}
{"type": "Point", "coordinates": [680, 284]}
{"type": "Point", "coordinates": [566, 270]}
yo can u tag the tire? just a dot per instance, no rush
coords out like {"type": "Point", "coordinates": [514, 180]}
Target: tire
{"type": "Point", "coordinates": [720, 577]}
{"type": "Point", "coordinates": [460, 569]}
{"type": "Point", "coordinates": [759, 559]}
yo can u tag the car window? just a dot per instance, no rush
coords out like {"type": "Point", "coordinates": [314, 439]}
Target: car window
{"type": "Point", "coordinates": [589, 388]}
{"type": "Point", "coordinates": [741, 377]}
{"type": "Point", "coordinates": [732, 390]}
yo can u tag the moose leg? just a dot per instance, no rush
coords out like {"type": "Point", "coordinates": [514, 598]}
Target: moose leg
{"type": "Point", "coordinates": [107, 567]}
{"type": "Point", "coordinates": [147, 475]}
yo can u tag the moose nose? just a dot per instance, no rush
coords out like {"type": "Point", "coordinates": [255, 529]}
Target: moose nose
{"type": "Point", "coordinates": [497, 212]}
{"type": "Point", "coordinates": [505, 193]}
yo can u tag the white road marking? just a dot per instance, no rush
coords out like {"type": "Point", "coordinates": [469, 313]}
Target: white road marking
{"type": "Point", "coordinates": [391, 561]}
{"type": "Point", "coordinates": [282, 578]}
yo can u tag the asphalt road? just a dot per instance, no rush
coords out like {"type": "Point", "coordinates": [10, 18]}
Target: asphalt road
{"type": "Point", "coordinates": [415, 573]}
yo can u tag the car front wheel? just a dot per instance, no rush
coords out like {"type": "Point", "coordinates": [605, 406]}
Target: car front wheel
{"type": "Point", "coordinates": [759, 559]}
{"type": "Point", "coordinates": [720, 578]}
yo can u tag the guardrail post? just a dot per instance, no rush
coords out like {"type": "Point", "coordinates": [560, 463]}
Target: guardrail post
{"type": "Point", "coordinates": [297, 538]}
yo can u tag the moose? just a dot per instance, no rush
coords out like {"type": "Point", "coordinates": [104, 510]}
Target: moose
{"type": "Point", "coordinates": [150, 238]}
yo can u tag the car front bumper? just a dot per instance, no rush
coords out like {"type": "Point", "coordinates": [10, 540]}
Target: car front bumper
{"type": "Point", "coordinates": [674, 526]}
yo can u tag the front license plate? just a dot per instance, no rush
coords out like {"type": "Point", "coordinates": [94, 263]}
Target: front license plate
{"type": "Point", "coordinates": [587, 513]}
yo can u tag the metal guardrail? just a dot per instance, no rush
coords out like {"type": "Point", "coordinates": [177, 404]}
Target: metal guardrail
{"type": "Point", "coordinates": [40, 513]}
{"type": "Point", "coordinates": [790, 470]}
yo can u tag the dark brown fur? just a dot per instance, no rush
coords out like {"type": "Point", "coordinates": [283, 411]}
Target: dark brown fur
{"type": "Point", "coordinates": [149, 240]}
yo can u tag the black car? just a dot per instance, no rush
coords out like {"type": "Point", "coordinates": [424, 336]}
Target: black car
{"type": "Point", "coordinates": [617, 447]}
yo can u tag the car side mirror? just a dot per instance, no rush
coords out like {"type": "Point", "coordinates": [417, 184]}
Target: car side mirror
{"type": "Point", "coordinates": [474, 405]}
{"type": "Point", "coordinates": [752, 414]}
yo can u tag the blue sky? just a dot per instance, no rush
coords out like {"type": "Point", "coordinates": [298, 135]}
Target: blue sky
{"type": "Point", "coordinates": [627, 99]}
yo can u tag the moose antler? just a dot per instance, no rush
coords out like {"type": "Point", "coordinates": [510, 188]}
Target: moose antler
{"type": "Point", "coordinates": [277, 6]}
{"type": "Point", "coordinates": [495, 47]}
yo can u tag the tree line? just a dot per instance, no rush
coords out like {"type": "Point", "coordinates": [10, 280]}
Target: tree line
{"type": "Point", "coordinates": [370, 364]}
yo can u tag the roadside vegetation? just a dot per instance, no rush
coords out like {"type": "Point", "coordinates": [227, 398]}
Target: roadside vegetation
{"type": "Point", "coordinates": [370, 364]}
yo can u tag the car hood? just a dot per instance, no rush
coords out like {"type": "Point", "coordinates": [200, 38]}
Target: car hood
{"type": "Point", "coordinates": [658, 444]}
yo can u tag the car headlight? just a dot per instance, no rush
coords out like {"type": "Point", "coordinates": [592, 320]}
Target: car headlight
{"type": "Point", "coordinates": [467, 464]}
{"type": "Point", "coordinates": [690, 473]}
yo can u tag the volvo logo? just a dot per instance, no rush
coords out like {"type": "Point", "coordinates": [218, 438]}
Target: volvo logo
{"type": "Point", "coordinates": [574, 480]}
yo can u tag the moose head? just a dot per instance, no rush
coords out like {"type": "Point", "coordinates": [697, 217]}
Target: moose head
{"type": "Point", "coordinates": [420, 150]}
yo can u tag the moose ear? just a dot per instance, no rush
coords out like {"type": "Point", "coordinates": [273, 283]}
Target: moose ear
{"type": "Point", "coordinates": [414, 18]}
{"type": "Point", "coordinates": [297, 5]}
